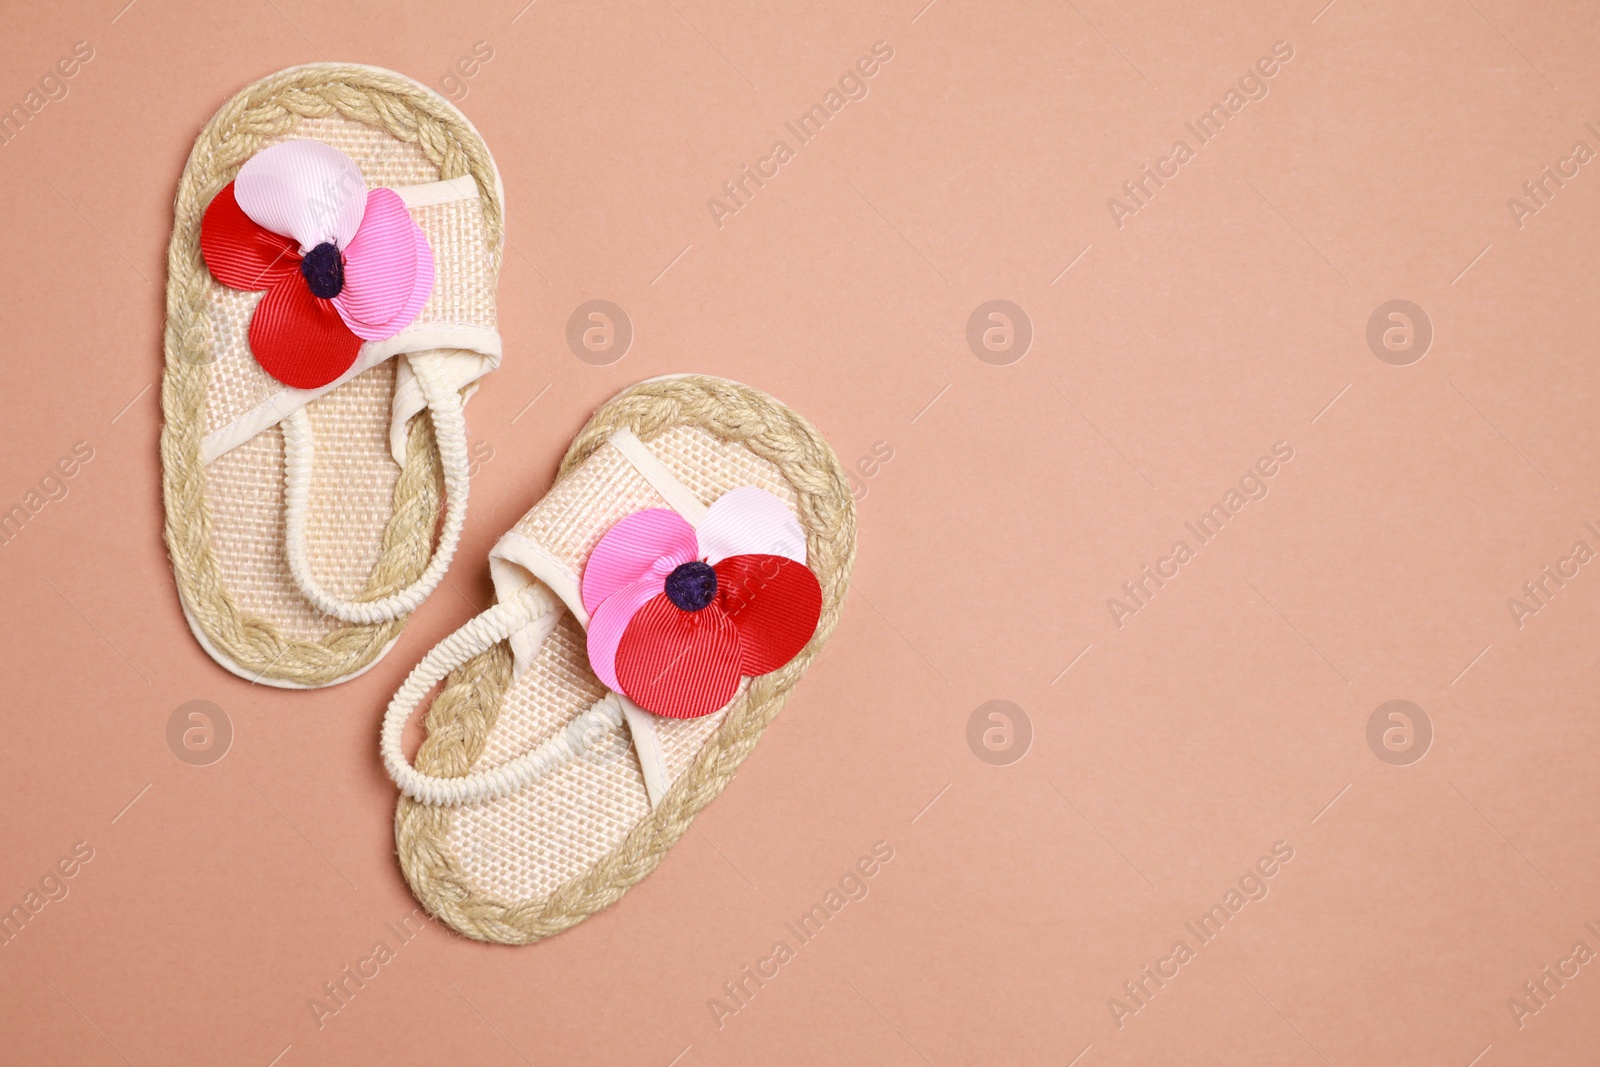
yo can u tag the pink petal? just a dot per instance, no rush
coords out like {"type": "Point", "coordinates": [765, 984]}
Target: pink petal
{"type": "Point", "coordinates": [384, 270]}
{"type": "Point", "coordinates": [422, 288]}
{"type": "Point", "coordinates": [750, 521]}
{"type": "Point", "coordinates": [607, 625]}
{"type": "Point", "coordinates": [306, 190]}
{"type": "Point", "coordinates": [649, 542]}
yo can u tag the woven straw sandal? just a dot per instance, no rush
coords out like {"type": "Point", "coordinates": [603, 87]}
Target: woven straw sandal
{"type": "Point", "coordinates": [335, 251]}
{"type": "Point", "coordinates": [541, 793]}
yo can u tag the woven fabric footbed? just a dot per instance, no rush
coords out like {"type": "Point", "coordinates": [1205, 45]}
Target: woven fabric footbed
{"type": "Point", "coordinates": [352, 491]}
{"type": "Point", "coordinates": [538, 862]}
{"type": "Point", "coordinates": [526, 845]}
{"type": "Point", "coordinates": [354, 476]}
{"type": "Point", "coordinates": [373, 522]}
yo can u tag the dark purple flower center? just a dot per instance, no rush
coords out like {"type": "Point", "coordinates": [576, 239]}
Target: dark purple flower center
{"type": "Point", "coordinates": [693, 585]}
{"type": "Point", "coordinates": [323, 268]}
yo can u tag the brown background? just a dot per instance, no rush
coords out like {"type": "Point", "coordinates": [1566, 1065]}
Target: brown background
{"type": "Point", "coordinates": [1227, 314]}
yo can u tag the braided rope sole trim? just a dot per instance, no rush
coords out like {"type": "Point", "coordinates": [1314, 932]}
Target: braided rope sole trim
{"type": "Point", "coordinates": [267, 108]}
{"type": "Point", "coordinates": [459, 721]}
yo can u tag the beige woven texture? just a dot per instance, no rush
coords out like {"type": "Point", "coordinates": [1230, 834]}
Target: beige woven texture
{"type": "Point", "coordinates": [370, 524]}
{"type": "Point", "coordinates": [532, 864]}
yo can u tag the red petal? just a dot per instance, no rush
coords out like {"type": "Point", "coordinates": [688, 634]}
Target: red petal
{"type": "Point", "coordinates": [241, 254]}
{"type": "Point", "coordinates": [299, 339]}
{"type": "Point", "coordinates": [775, 602]}
{"type": "Point", "coordinates": [678, 663]}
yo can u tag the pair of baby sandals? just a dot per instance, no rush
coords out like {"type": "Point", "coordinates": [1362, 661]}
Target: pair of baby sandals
{"type": "Point", "coordinates": [330, 308]}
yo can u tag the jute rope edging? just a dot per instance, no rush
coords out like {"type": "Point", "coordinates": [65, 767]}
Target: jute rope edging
{"type": "Point", "coordinates": [265, 109]}
{"type": "Point", "coordinates": [459, 721]}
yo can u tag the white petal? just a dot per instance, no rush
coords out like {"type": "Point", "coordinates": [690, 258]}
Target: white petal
{"type": "Point", "coordinates": [306, 190]}
{"type": "Point", "coordinates": [748, 521]}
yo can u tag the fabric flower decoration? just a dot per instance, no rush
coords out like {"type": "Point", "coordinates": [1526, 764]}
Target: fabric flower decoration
{"type": "Point", "coordinates": [677, 615]}
{"type": "Point", "coordinates": [340, 264]}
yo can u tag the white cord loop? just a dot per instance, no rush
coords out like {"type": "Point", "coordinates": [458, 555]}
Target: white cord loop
{"type": "Point", "coordinates": [450, 430]}
{"type": "Point", "coordinates": [585, 732]}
